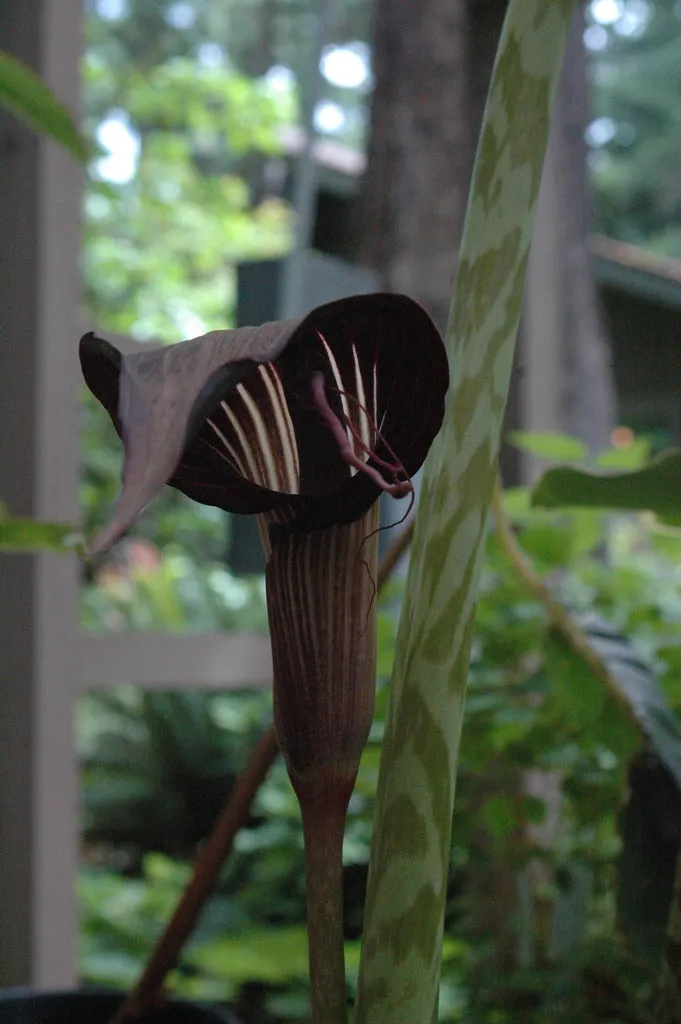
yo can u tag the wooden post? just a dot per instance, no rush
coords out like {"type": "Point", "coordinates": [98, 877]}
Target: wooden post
{"type": "Point", "coordinates": [39, 293]}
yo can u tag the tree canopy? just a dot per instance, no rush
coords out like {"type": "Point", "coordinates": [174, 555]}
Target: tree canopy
{"type": "Point", "coordinates": [636, 132]}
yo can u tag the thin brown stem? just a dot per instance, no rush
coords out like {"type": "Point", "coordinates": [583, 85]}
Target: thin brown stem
{"type": "Point", "coordinates": [165, 953]}
{"type": "Point", "coordinates": [206, 870]}
{"type": "Point", "coordinates": [323, 826]}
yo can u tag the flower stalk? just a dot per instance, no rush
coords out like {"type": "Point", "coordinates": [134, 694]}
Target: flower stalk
{"type": "Point", "coordinates": [323, 828]}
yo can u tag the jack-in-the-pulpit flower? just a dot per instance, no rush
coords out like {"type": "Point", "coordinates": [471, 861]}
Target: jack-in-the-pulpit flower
{"type": "Point", "coordinates": [304, 422]}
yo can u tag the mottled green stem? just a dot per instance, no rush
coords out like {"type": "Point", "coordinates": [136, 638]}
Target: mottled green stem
{"type": "Point", "coordinates": [407, 885]}
{"type": "Point", "coordinates": [323, 824]}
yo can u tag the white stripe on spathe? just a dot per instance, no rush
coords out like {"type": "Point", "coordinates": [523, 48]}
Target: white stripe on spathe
{"type": "Point", "coordinates": [283, 425]}
{"type": "Point", "coordinates": [335, 370]}
{"type": "Point", "coordinates": [234, 461]}
{"type": "Point", "coordinates": [363, 413]}
{"type": "Point", "coordinates": [273, 479]}
{"type": "Point", "coordinates": [251, 471]}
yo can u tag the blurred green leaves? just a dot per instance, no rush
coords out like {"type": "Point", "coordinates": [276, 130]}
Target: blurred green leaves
{"type": "Point", "coordinates": [161, 238]}
{"type": "Point", "coordinates": [531, 708]}
{"type": "Point", "coordinates": [655, 487]}
{"type": "Point", "coordinates": [547, 444]}
{"type": "Point", "coordinates": [29, 98]}
{"type": "Point", "coordinates": [27, 535]}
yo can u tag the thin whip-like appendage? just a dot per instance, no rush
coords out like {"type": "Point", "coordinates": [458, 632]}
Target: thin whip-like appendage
{"type": "Point", "coordinates": [399, 488]}
{"type": "Point", "coordinates": [392, 556]}
{"type": "Point", "coordinates": [396, 465]}
{"type": "Point", "coordinates": [166, 952]}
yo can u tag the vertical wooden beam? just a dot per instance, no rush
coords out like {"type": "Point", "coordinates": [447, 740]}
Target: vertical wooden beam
{"type": "Point", "coordinates": [39, 293]}
{"type": "Point", "coordinates": [18, 273]}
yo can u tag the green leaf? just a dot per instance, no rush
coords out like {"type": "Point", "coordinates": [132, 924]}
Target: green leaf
{"type": "Point", "coordinates": [517, 503]}
{"type": "Point", "coordinates": [580, 705]}
{"type": "Point", "coordinates": [500, 815]}
{"type": "Point", "coordinates": [29, 98]}
{"type": "Point", "coordinates": [26, 535]}
{"type": "Point", "coordinates": [557, 539]}
{"type": "Point", "coordinates": [546, 444]}
{"type": "Point", "coordinates": [656, 487]}
{"type": "Point", "coordinates": [273, 956]}
{"type": "Point", "coordinates": [631, 457]}
{"type": "Point", "coordinates": [560, 540]}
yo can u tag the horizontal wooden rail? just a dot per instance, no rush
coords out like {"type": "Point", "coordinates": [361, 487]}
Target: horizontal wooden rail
{"type": "Point", "coordinates": [160, 661]}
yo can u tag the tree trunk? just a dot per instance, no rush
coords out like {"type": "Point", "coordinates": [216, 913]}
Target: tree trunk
{"type": "Point", "coordinates": [432, 61]}
{"type": "Point", "coordinates": [432, 65]}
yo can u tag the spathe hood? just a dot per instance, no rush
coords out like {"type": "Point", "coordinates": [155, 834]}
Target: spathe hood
{"type": "Point", "coordinates": [231, 420]}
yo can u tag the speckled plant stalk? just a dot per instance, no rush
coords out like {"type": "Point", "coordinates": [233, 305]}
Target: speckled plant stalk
{"type": "Point", "coordinates": [400, 966]}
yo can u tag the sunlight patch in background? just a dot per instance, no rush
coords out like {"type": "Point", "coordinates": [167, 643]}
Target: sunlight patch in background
{"type": "Point", "coordinates": [123, 146]}
{"type": "Point", "coordinates": [112, 10]}
{"type": "Point", "coordinates": [346, 67]}
{"type": "Point", "coordinates": [626, 18]}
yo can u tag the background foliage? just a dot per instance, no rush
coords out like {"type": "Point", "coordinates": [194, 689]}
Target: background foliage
{"type": "Point", "coordinates": [635, 133]}
{"type": "Point", "coordinates": [195, 101]}
{"type": "Point", "coordinates": [538, 928]}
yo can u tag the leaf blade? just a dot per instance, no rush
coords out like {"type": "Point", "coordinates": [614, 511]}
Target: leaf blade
{"type": "Point", "coordinates": [546, 444]}
{"type": "Point", "coordinates": [23, 92]}
{"type": "Point", "coordinates": [655, 487]}
{"type": "Point", "coordinates": [22, 536]}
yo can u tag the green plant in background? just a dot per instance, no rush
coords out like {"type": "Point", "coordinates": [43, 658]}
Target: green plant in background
{"type": "Point", "coordinates": [635, 132]}
{"type": "Point", "coordinates": [175, 197]}
{"type": "Point", "coordinates": [156, 766]}
{"type": "Point", "coordinates": [535, 916]}
{"type": "Point", "coordinates": [181, 213]}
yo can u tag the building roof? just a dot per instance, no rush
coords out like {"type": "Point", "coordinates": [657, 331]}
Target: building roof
{"type": "Point", "coordinates": [629, 268]}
